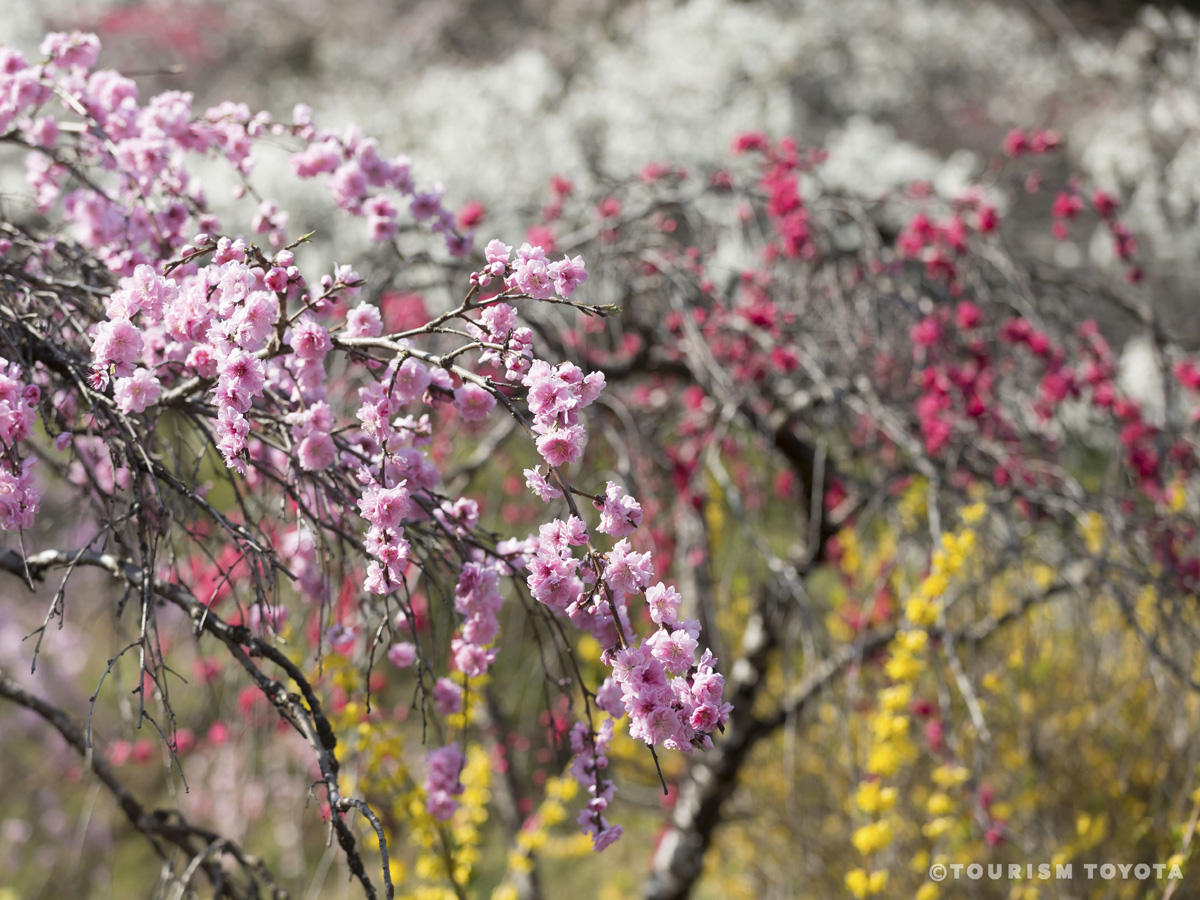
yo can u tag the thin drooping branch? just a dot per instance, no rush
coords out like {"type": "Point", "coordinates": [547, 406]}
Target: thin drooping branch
{"type": "Point", "coordinates": [162, 828]}
{"type": "Point", "coordinates": [302, 711]}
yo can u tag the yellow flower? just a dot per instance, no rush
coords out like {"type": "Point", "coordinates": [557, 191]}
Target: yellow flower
{"type": "Point", "coordinates": [940, 804]}
{"type": "Point", "coordinates": [520, 862]}
{"type": "Point", "coordinates": [934, 586]}
{"type": "Point", "coordinates": [883, 760]}
{"type": "Point", "coordinates": [887, 727]}
{"type": "Point", "coordinates": [950, 776]}
{"type": "Point", "coordinates": [871, 798]}
{"type": "Point", "coordinates": [872, 837]}
{"type": "Point", "coordinates": [396, 869]}
{"type": "Point", "coordinates": [858, 883]}
{"type": "Point", "coordinates": [903, 666]}
{"type": "Point", "coordinates": [914, 640]}
{"type": "Point", "coordinates": [1177, 496]}
{"type": "Point", "coordinates": [560, 788]}
{"type": "Point", "coordinates": [920, 611]}
{"type": "Point", "coordinates": [973, 513]}
{"type": "Point", "coordinates": [937, 827]}
{"type": "Point", "coordinates": [896, 698]}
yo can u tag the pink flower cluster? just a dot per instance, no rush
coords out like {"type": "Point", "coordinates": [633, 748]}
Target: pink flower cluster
{"type": "Point", "coordinates": [554, 577]}
{"type": "Point", "coordinates": [231, 351]}
{"type": "Point", "coordinates": [385, 509]}
{"type": "Point", "coordinates": [129, 220]}
{"type": "Point", "coordinates": [556, 396]}
{"type": "Point", "coordinates": [19, 496]}
{"type": "Point", "coordinates": [505, 345]}
{"type": "Point", "coordinates": [402, 654]}
{"type": "Point", "coordinates": [404, 472]}
{"type": "Point", "coordinates": [118, 345]}
{"type": "Point", "coordinates": [541, 279]}
{"type": "Point", "coordinates": [359, 176]}
{"type": "Point", "coordinates": [532, 273]}
{"type": "Point", "coordinates": [587, 768]}
{"type": "Point", "coordinates": [477, 598]}
{"type": "Point", "coordinates": [441, 784]}
{"type": "Point", "coordinates": [670, 699]}
{"type": "Point", "coordinates": [311, 434]}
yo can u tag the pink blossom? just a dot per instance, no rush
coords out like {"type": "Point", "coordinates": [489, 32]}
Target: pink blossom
{"type": "Point", "coordinates": [627, 571]}
{"type": "Point", "coordinates": [232, 428]}
{"type": "Point", "coordinates": [19, 497]}
{"type": "Point", "coordinates": [376, 581]}
{"type": "Point", "coordinates": [74, 50]}
{"type": "Point", "coordinates": [341, 638]}
{"type": "Point", "coordinates": [442, 784]}
{"type": "Point", "coordinates": [705, 717]}
{"type": "Point", "coordinates": [364, 321]}
{"type": "Point", "coordinates": [536, 482]}
{"type": "Point", "coordinates": [606, 836]}
{"type": "Point", "coordinates": [550, 395]}
{"type": "Point", "coordinates": [447, 697]}
{"type": "Point", "coordinates": [471, 659]}
{"type": "Point", "coordinates": [402, 654]}
{"type": "Point", "coordinates": [427, 204]}
{"type": "Point", "coordinates": [497, 252]}
{"type": "Point", "coordinates": [499, 319]}
{"type": "Point", "coordinates": [117, 344]}
{"type": "Point", "coordinates": [620, 514]}
{"type": "Point", "coordinates": [608, 698]}
{"type": "Point", "coordinates": [316, 452]}
{"type": "Point", "coordinates": [1016, 143]}
{"type": "Point", "coordinates": [562, 446]}
{"type": "Point", "coordinates": [664, 603]}
{"type": "Point", "coordinates": [138, 391]}
{"type": "Point", "coordinates": [384, 507]}
{"type": "Point", "coordinates": [255, 320]}
{"type": "Point", "coordinates": [474, 403]}
{"type": "Point", "coordinates": [148, 291]}
{"type": "Point", "coordinates": [927, 332]}
{"type": "Point", "coordinates": [412, 380]}
{"type": "Point", "coordinates": [348, 185]}
{"type": "Point", "coordinates": [660, 725]}
{"type": "Point", "coordinates": [968, 315]}
{"type": "Point", "coordinates": [568, 274]}
{"type": "Point", "coordinates": [533, 277]}
{"type": "Point", "coordinates": [316, 158]}
{"type": "Point", "coordinates": [241, 379]}
{"type": "Point", "coordinates": [675, 650]}
{"type": "Point", "coordinates": [310, 340]}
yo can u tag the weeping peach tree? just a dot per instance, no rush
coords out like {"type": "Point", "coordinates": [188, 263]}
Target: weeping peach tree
{"type": "Point", "coordinates": [425, 562]}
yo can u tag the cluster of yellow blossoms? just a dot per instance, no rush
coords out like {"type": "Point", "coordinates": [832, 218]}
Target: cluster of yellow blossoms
{"type": "Point", "coordinates": [890, 744]}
